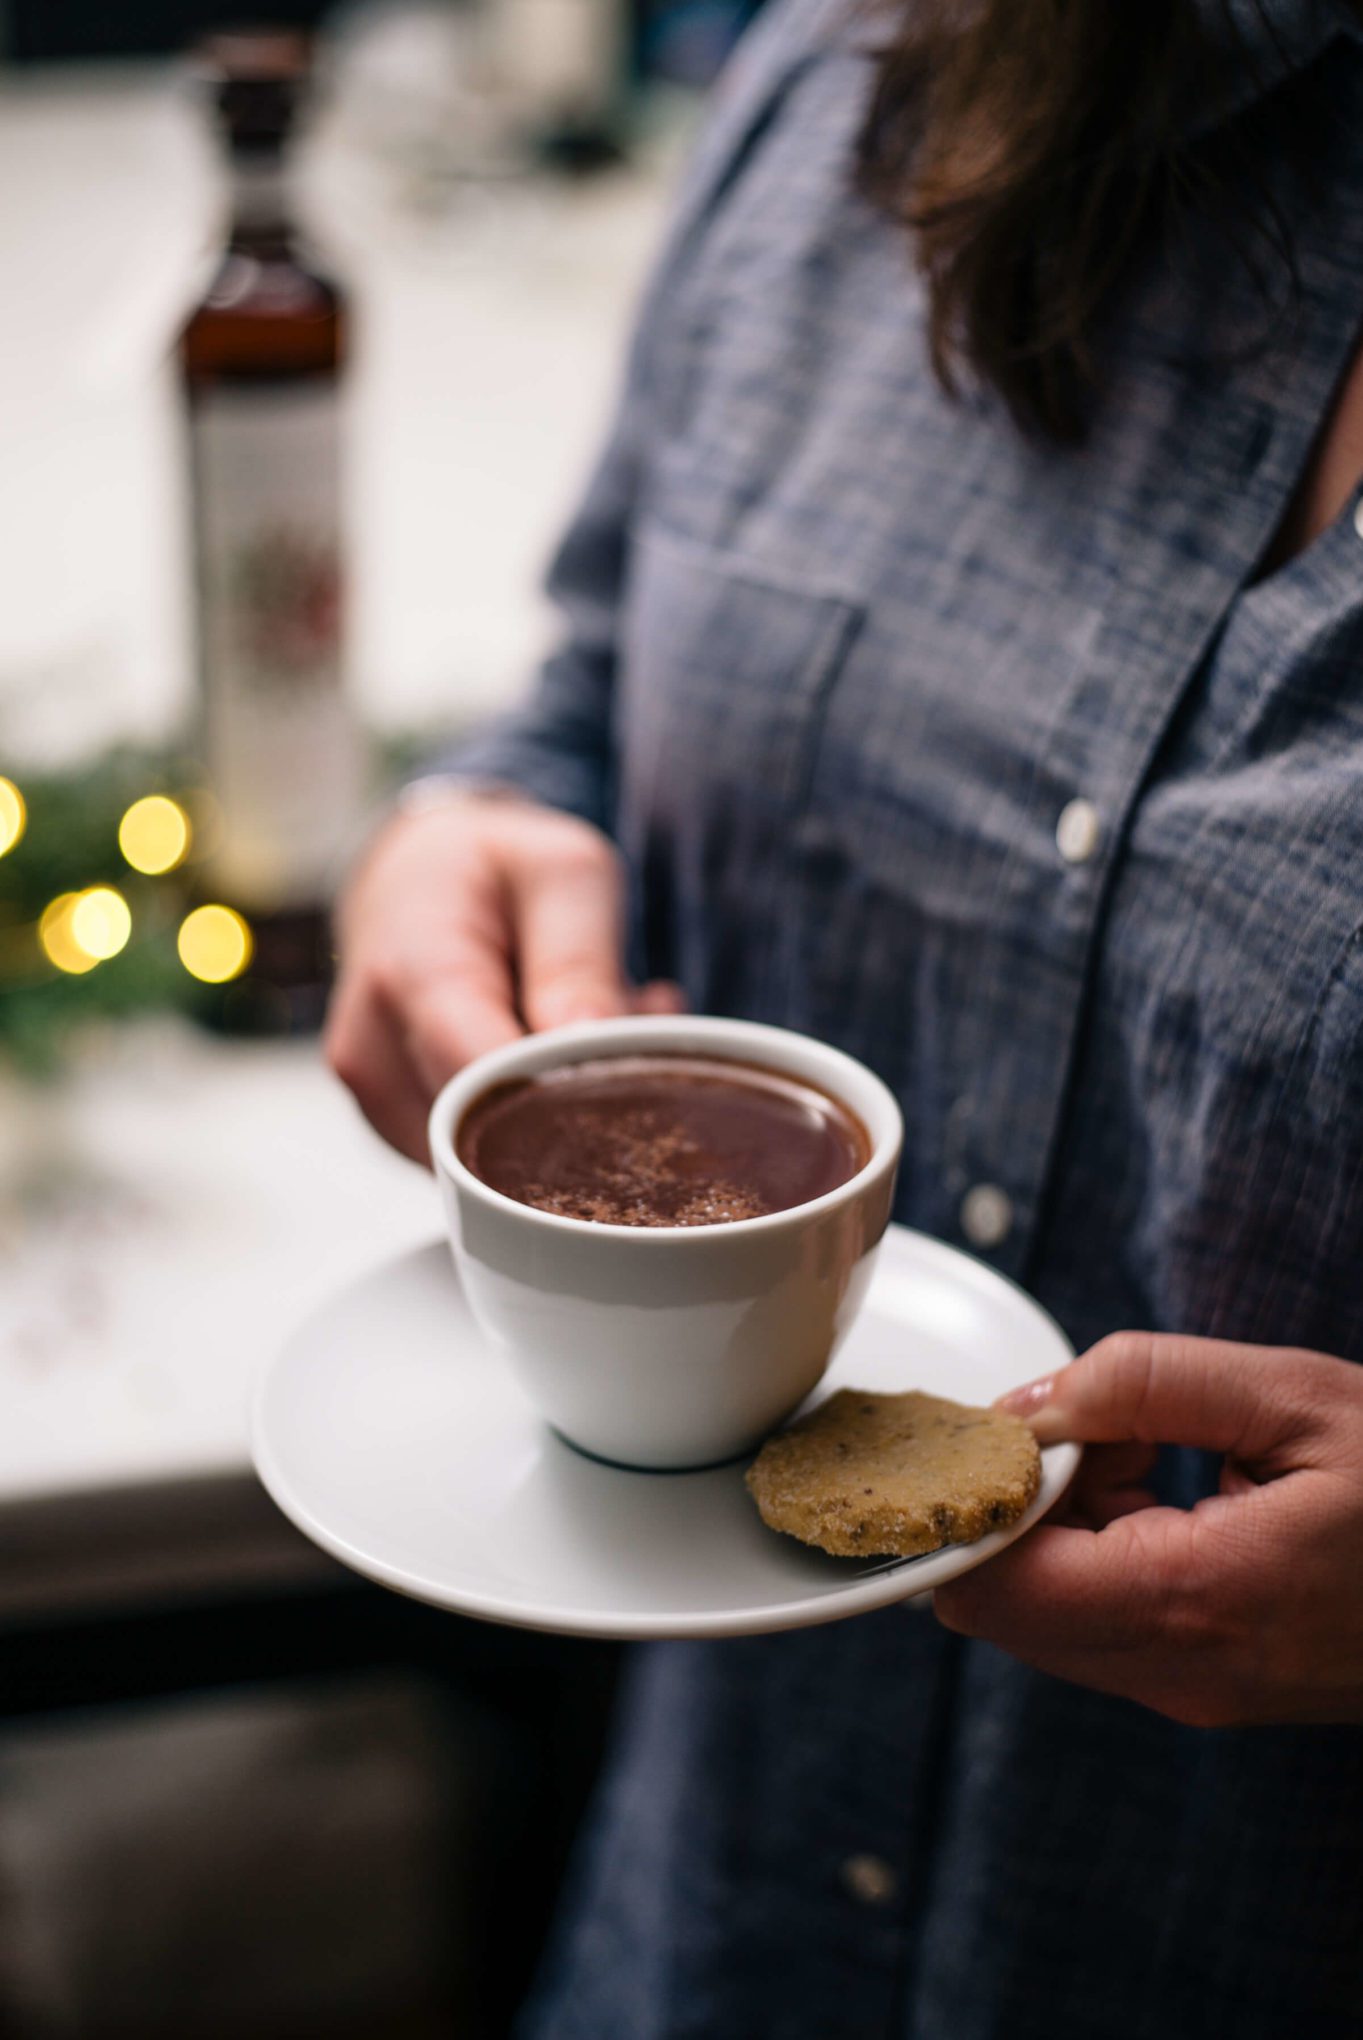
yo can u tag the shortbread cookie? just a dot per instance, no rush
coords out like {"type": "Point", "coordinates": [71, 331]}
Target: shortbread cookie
{"type": "Point", "coordinates": [866, 1474]}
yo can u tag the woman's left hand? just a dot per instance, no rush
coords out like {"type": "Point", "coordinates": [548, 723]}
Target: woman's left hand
{"type": "Point", "coordinates": [1246, 1608]}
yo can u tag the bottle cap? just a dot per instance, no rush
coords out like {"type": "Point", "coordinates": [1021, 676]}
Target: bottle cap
{"type": "Point", "coordinates": [255, 79]}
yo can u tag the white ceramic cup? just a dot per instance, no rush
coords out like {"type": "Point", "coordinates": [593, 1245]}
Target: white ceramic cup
{"type": "Point", "coordinates": [668, 1346]}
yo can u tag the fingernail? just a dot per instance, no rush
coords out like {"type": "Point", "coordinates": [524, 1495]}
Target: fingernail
{"type": "Point", "coordinates": [1035, 1403]}
{"type": "Point", "coordinates": [1025, 1401]}
{"type": "Point", "coordinates": [659, 998]}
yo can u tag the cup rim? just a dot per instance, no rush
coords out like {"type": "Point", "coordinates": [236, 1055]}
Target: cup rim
{"type": "Point", "coordinates": [534, 1052]}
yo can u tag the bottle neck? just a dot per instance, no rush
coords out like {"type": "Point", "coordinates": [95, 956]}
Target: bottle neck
{"type": "Point", "coordinates": [261, 195]}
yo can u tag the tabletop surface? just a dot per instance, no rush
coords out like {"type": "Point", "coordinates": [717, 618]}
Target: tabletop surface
{"type": "Point", "coordinates": [168, 1211]}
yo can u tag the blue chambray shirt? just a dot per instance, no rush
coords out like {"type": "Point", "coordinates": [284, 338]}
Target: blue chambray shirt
{"type": "Point", "coordinates": [1000, 767]}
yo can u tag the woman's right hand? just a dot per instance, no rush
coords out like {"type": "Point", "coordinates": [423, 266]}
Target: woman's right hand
{"type": "Point", "coordinates": [465, 924]}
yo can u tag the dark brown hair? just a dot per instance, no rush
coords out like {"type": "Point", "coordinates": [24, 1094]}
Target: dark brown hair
{"type": "Point", "coordinates": [1032, 147]}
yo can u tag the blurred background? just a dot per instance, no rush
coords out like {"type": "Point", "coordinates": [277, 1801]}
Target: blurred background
{"type": "Point", "coordinates": [309, 334]}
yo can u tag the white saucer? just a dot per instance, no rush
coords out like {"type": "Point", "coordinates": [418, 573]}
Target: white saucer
{"type": "Point", "coordinates": [395, 1438]}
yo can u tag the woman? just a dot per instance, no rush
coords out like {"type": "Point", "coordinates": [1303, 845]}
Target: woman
{"type": "Point", "coordinates": [964, 663]}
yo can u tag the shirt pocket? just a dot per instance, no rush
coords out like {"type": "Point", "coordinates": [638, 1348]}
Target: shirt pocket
{"type": "Point", "coordinates": [727, 665]}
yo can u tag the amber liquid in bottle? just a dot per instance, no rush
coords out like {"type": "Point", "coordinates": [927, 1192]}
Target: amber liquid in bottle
{"type": "Point", "coordinates": [262, 358]}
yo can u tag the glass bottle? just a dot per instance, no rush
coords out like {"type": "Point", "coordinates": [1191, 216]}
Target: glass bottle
{"type": "Point", "coordinates": [263, 357]}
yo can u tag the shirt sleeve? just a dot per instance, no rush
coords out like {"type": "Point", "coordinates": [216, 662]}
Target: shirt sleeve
{"type": "Point", "coordinates": [558, 746]}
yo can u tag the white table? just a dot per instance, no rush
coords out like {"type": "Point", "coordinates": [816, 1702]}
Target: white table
{"type": "Point", "coordinates": [171, 1208]}
{"type": "Point", "coordinates": [168, 1212]}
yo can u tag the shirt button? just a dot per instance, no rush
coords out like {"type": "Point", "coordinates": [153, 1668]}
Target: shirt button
{"type": "Point", "coordinates": [870, 1879]}
{"type": "Point", "coordinates": [1078, 831]}
{"type": "Point", "coordinates": [986, 1215]}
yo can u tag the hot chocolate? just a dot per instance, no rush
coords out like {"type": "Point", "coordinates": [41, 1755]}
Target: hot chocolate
{"type": "Point", "coordinates": [661, 1140]}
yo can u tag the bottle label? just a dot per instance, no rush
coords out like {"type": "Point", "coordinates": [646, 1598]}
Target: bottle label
{"type": "Point", "coordinates": [283, 747]}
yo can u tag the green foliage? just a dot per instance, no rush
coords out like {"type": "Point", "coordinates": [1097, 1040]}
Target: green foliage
{"type": "Point", "coordinates": [71, 842]}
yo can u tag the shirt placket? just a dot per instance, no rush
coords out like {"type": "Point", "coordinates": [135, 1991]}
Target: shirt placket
{"type": "Point", "coordinates": [1017, 1040]}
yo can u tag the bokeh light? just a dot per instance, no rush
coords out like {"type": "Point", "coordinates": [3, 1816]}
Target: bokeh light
{"type": "Point", "coordinates": [100, 922]}
{"type": "Point", "coordinates": [154, 835]}
{"type": "Point", "coordinates": [13, 815]}
{"type": "Point", "coordinates": [59, 944]}
{"type": "Point", "coordinates": [215, 944]}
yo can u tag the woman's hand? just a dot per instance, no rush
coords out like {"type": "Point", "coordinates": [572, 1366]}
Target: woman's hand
{"type": "Point", "coordinates": [467, 923]}
{"type": "Point", "coordinates": [1246, 1608]}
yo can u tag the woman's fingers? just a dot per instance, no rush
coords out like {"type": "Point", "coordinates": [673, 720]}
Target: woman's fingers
{"type": "Point", "coordinates": [365, 1047]}
{"type": "Point", "coordinates": [1253, 1402]}
{"type": "Point", "coordinates": [450, 1018]}
{"type": "Point", "coordinates": [1065, 1596]}
{"type": "Point", "coordinates": [461, 920]}
{"type": "Point", "coordinates": [660, 996]}
{"type": "Point", "coordinates": [464, 923]}
{"type": "Point", "coordinates": [455, 998]}
{"type": "Point", "coordinates": [1117, 1502]}
{"type": "Point", "coordinates": [1110, 1483]}
{"type": "Point", "coordinates": [425, 939]}
{"type": "Point", "coordinates": [567, 916]}
{"type": "Point", "coordinates": [1243, 1608]}
{"type": "Point", "coordinates": [1121, 1574]}
{"type": "Point", "coordinates": [1109, 1466]}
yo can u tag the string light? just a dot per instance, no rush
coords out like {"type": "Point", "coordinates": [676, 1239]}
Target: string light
{"type": "Point", "coordinates": [100, 922]}
{"type": "Point", "coordinates": [13, 815]}
{"type": "Point", "coordinates": [154, 835]}
{"type": "Point", "coordinates": [59, 944]}
{"type": "Point", "coordinates": [80, 929]}
{"type": "Point", "coordinates": [215, 944]}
